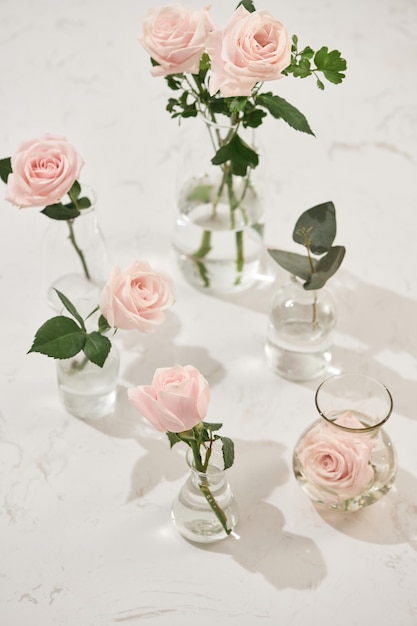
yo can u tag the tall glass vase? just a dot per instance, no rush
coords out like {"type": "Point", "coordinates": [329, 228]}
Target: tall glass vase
{"type": "Point", "coordinates": [192, 514]}
{"type": "Point", "coordinates": [299, 334]}
{"type": "Point", "coordinates": [219, 222]}
{"type": "Point", "coordinates": [74, 257]}
{"type": "Point", "coordinates": [345, 460]}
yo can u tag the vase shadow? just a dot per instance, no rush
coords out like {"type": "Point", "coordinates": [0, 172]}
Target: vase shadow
{"type": "Point", "coordinates": [397, 509]}
{"type": "Point", "coordinates": [284, 559]}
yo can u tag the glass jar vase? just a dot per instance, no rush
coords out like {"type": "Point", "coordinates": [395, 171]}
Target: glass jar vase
{"type": "Point", "coordinates": [192, 514]}
{"type": "Point", "coordinates": [74, 257]}
{"type": "Point", "coordinates": [218, 232]}
{"type": "Point", "coordinates": [345, 460]}
{"type": "Point", "coordinates": [88, 391]}
{"type": "Point", "coordinates": [299, 333]}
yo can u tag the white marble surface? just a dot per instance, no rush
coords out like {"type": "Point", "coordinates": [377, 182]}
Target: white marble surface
{"type": "Point", "coordinates": [85, 531]}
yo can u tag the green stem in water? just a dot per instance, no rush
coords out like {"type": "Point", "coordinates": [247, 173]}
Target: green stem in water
{"type": "Point", "coordinates": [204, 485]}
{"type": "Point", "coordinates": [78, 249]}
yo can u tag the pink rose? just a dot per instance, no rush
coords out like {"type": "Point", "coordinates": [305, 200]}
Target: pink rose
{"type": "Point", "coordinates": [136, 298]}
{"type": "Point", "coordinates": [175, 37]}
{"type": "Point", "coordinates": [254, 47]}
{"type": "Point", "coordinates": [337, 460]}
{"type": "Point", "coordinates": [43, 171]}
{"type": "Point", "coordinates": [176, 401]}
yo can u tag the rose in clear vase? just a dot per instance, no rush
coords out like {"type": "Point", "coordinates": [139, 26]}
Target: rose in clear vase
{"type": "Point", "coordinates": [218, 76]}
{"type": "Point", "coordinates": [176, 403]}
{"type": "Point", "coordinates": [87, 362]}
{"type": "Point", "coordinates": [40, 174]}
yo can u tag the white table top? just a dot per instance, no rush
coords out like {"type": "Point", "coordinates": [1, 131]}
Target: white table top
{"type": "Point", "coordinates": [85, 532]}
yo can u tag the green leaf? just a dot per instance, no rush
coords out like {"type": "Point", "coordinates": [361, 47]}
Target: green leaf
{"type": "Point", "coordinates": [70, 308]}
{"type": "Point", "coordinates": [331, 64]}
{"type": "Point", "coordinates": [253, 118]}
{"type": "Point", "coordinates": [60, 337]}
{"type": "Point", "coordinates": [5, 168]}
{"type": "Point", "coordinates": [97, 348]}
{"type": "Point", "coordinates": [318, 225]}
{"type": "Point", "coordinates": [83, 203]}
{"type": "Point", "coordinates": [173, 439]}
{"type": "Point", "coordinates": [325, 268]}
{"type": "Point", "coordinates": [248, 4]}
{"type": "Point", "coordinates": [212, 427]}
{"type": "Point", "coordinates": [240, 155]}
{"type": "Point", "coordinates": [228, 452]}
{"type": "Point", "coordinates": [61, 211]}
{"type": "Point", "coordinates": [103, 324]}
{"type": "Point", "coordinates": [75, 190]}
{"type": "Point", "coordinates": [281, 109]}
{"type": "Point", "coordinates": [292, 262]}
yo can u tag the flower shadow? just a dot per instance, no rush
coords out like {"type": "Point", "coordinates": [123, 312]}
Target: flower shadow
{"type": "Point", "coordinates": [398, 510]}
{"type": "Point", "coordinates": [286, 560]}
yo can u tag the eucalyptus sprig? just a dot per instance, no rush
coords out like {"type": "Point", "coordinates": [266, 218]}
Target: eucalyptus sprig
{"type": "Point", "coordinates": [315, 229]}
{"type": "Point", "coordinates": [62, 337]}
{"type": "Point", "coordinates": [201, 439]}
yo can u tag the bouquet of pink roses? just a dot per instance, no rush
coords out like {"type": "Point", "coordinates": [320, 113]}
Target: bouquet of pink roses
{"type": "Point", "coordinates": [219, 74]}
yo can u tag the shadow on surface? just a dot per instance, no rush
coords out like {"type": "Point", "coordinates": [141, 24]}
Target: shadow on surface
{"type": "Point", "coordinates": [392, 520]}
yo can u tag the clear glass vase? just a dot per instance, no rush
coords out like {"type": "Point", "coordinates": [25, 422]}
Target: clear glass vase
{"type": "Point", "coordinates": [299, 334]}
{"type": "Point", "coordinates": [345, 460]}
{"type": "Point", "coordinates": [192, 514]}
{"type": "Point", "coordinates": [218, 232]}
{"type": "Point", "coordinates": [74, 257]}
{"type": "Point", "coordinates": [88, 391]}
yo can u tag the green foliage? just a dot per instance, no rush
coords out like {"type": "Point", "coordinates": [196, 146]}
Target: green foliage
{"type": "Point", "coordinates": [248, 4]}
{"type": "Point", "coordinates": [63, 337]}
{"type": "Point", "coordinates": [306, 63]}
{"type": "Point", "coordinates": [72, 209]}
{"type": "Point", "coordinates": [5, 168]}
{"type": "Point", "coordinates": [238, 153]}
{"type": "Point", "coordinates": [281, 109]}
{"type": "Point", "coordinates": [315, 229]}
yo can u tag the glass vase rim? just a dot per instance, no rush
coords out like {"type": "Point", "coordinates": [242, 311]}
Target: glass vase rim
{"type": "Point", "coordinates": [363, 377]}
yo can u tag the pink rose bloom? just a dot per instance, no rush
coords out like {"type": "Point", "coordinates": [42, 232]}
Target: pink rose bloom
{"type": "Point", "coordinates": [254, 47]}
{"type": "Point", "coordinates": [136, 298]}
{"type": "Point", "coordinates": [175, 37]}
{"type": "Point", "coordinates": [177, 399]}
{"type": "Point", "coordinates": [337, 460]}
{"type": "Point", "coordinates": [43, 171]}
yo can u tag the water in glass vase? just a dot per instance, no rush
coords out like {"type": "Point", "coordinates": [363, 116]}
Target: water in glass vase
{"type": "Point", "coordinates": [218, 249]}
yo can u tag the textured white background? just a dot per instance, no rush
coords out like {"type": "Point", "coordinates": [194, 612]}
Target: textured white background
{"type": "Point", "coordinates": [85, 531]}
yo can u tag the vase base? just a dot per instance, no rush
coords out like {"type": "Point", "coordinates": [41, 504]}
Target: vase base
{"type": "Point", "coordinates": [88, 406]}
{"type": "Point", "coordinates": [297, 366]}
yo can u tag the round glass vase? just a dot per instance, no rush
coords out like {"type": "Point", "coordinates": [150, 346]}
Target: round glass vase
{"type": "Point", "coordinates": [218, 231]}
{"type": "Point", "coordinates": [299, 333]}
{"type": "Point", "coordinates": [74, 257]}
{"type": "Point", "coordinates": [88, 391]}
{"type": "Point", "coordinates": [346, 460]}
{"type": "Point", "coordinates": [192, 514]}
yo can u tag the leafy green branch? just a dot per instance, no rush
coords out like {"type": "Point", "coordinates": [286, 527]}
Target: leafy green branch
{"type": "Point", "coordinates": [307, 62]}
{"type": "Point", "coordinates": [315, 229]}
{"type": "Point", "coordinates": [62, 337]}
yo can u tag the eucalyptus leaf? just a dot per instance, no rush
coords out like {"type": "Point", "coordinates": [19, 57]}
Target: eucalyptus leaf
{"type": "Point", "coordinates": [325, 268]}
{"type": "Point", "coordinates": [61, 211]}
{"type": "Point", "coordinates": [240, 155]}
{"type": "Point", "coordinates": [318, 225]}
{"type": "Point", "coordinates": [60, 337]}
{"type": "Point", "coordinates": [292, 262]}
{"type": "Point", "coordinates": [97, 348]}
{"type": "Point", "coordinates": [5, 168]}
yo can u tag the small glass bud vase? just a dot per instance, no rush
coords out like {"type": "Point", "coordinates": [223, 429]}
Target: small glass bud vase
{"type": "Point", "coordinates": [299, 335]}
{"type": "Point", "coordinates": [346, 460]}
{"type": "Point", "coordinates": [192, 514]}
{"type": "Point", "coordinates": [88, 391]}
{"type": "Point", "coordinates": [74, 256]}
